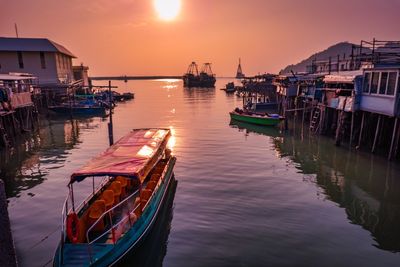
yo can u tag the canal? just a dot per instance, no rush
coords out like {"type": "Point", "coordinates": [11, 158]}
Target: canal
{"type": "Point", "coordinates": [244, 196]}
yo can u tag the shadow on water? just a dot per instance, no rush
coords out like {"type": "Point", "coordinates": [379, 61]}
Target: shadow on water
{"type": "Point", "coordinates": [21, 168]}
{"type": "Point", "coordinates": [366, 186]}
{"type": "Point", "coordinates": [152, 250]}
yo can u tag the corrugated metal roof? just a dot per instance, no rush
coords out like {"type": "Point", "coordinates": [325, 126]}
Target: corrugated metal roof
{"type": "Point", "coordinates": [343, 77]}
{"type": "Point", "coordinates": [32, 45]}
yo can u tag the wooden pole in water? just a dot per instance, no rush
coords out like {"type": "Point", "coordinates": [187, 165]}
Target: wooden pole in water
{"type": "Point", "coordinates": [338, 138]}
{"type": "Point", "coordinates": [361, 130]}
{"type": "Point", "coordinates": [393, 138]}
{"type": "Point", "coordinates": [396, 145]}
{"type": "Point", "coordinates": [376, 134]}
{"type": "Point", "coordinates": [110, 124]}
{"type": "Point", "coordinates": [351, 128]}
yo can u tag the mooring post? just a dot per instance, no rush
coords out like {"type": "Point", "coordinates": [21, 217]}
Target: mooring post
{"type": "Point", "coordinates": [393, 138]}
{"type": "Point", "coordinates": [376, 133]}
{"type": "Point", "coordinates": [7, 249]}
{"type": "Point", "coordinates": [110, 124]}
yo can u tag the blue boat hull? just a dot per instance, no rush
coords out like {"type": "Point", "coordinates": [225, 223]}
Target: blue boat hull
{"type": "Point", "coordinates": [78, 110]}
{"type": "Point", "coordinates": [110, 254]}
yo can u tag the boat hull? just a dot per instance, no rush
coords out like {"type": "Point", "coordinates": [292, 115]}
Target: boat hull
{"type": "Point", "coordinates": [196, 81]}
{"type": "Point", "coordinates": [111, 254]}
{"type": "Point", "coordinates": [265, 121]}
{"type": "Point", "coordinates": [78, 110]}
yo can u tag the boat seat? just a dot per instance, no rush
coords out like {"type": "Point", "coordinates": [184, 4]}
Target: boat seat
{"type": "Point", "coordinates": [95, 212]}
{"type": "Point", "coordinates": [159, 169]}
{"type": "Point", "coordinates": [151, 185]}
{"type": "Point", "coordinates": [117, 189]}
{"type": "Point", "coordinates": [145, 194]}
{"type": "Point", "coordinates": [155, 177]}
{"type": "Point", "coordinates": [144, 197]}
{"type": "Point", "coordinates": [138, 211]}
{"type": "Point", "coordinates": [108, 197]}
{"type": "Point", "coordinates": [124, 184]}
{"type": "Point", "coordinates": [134, 184]}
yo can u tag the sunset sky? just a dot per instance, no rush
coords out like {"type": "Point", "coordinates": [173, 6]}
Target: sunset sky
{"type": "Point", "coordinates": [118, 37]}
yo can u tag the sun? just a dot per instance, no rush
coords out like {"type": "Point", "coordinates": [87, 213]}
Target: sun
{"type": "Point", "coordinates": [167, 9]}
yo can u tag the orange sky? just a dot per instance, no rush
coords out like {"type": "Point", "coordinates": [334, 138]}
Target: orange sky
{"type": "Point", "coordinates": [118, 37]}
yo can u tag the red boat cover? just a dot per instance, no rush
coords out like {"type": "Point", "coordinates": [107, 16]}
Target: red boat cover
{"type": "Point", "coordinates": [132, 156]}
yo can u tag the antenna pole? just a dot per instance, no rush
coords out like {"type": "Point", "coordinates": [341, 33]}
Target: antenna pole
{"type": "Point", "coordinates": [16, 30]}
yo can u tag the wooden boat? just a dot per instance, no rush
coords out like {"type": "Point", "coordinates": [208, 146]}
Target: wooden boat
{"type": "Point", "coordinates": [88, 106]}
{"type": "Point", "coordinates": [135, 174]}
{"type": "Point", "coordinates": [78, 110]}
{"type": "Point", "coordinates": [264, 119]}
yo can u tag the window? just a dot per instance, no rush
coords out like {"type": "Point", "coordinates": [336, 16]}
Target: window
{"type": "Point", "coordinates": [391, 83]}
{"type": "Point", "coordinates": [367, 78]}
{"type": "Point", "coordinates": [20, 60]}
{"type": "Point", "coordinates": [382, 86]}
{"type": "Point", "coordinates": [42, 60]}
{"type": "Point", "coordinates": [374, 82]}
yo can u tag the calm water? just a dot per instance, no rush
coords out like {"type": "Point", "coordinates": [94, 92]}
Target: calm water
{"type": "Point", "coordinates": [245, 196]}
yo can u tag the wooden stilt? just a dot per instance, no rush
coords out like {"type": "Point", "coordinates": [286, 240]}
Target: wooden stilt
{"type": "Point", "coordinates": [302, 120]}
{"type": "Point", "coordinates": [338, 137]}
{"type": "Point", "coordinates": [393, 138]}
{"type": "Point", "coordinates": [396, 145]}
{"type": "Point", "coordinates": [322, 119]}
{"type": "Point", "coordinates": [361, 130]}
{"type": "Point", "coordinates": [351, 129]}
{"type": "Point", "coordinates": [376, 134]}
{"type": "Point", "coordinates": [311, 115]}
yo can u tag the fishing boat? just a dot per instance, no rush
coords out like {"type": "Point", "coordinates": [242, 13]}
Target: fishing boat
{"type": "Point", "coordinates": [78, 109]}
{"type": "Point", "coordinates": [122, 97]}
{"type": "Point", "coordinates": [192, 78]}
{"type": "Point", "coordinates": [134, 176]}
{"type": "Point", "coordinates": [229, 87]}
{"type": "Point", "coordinates": [264, 119]}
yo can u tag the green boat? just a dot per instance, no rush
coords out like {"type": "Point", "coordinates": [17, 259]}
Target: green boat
{"type": "Point", "coordinates": [256, 118]}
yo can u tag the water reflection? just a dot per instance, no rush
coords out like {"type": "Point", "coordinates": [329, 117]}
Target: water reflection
{"type": "Point", "coordinates": [198, 94]}
{"type": "Point", "coordinates": [364, 185]}
{"type": "Point", "coordinates": [252, 128]}
{"type": "Point", "coordinates": [152, 251]}
{"type": "Point", "coordinates": [27, 165]}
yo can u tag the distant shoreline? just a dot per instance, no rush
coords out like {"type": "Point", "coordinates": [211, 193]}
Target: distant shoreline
{"type": "Point", "coordinates": [156, 77]}
{"type": "Point", "coordinates": [135, 77]}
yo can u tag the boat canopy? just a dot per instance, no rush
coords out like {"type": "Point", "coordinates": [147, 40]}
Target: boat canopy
{"type": "Point", "coordinates": [133, 156]}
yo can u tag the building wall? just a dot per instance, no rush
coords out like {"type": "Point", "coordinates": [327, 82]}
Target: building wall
{"type": "Point", "coordinates": [81, 73]}
{"type": "Point", "coordinates": [64, 68]}
{"type": "Point", "coordinates": [57, 66]}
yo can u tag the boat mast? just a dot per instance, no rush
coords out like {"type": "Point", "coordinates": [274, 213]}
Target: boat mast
{"type": "Point", "coordinates": [192, 69]}
{"type": "Point", "coordinates": [207, 69]}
